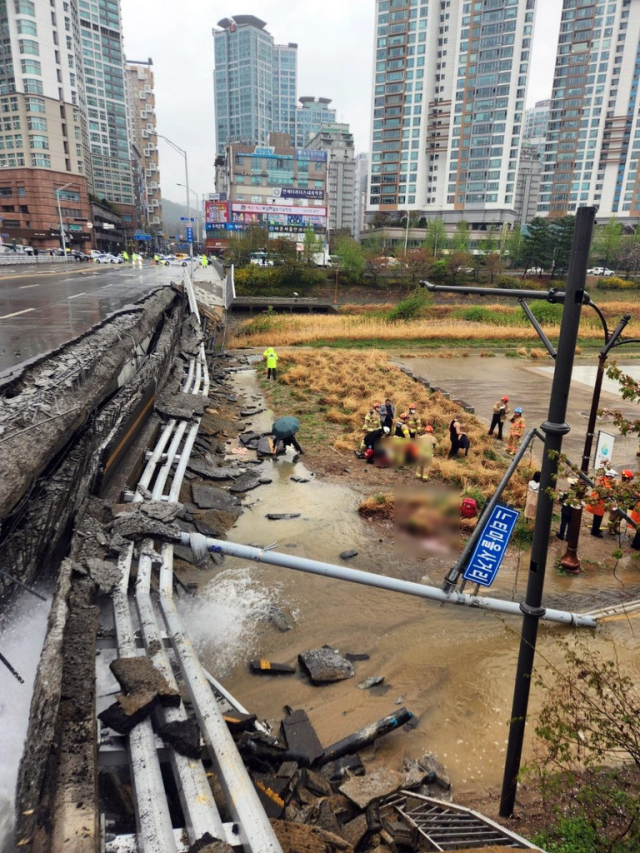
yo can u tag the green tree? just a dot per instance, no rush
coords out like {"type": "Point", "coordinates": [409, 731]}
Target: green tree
{"type": "Point", "coordinates": [462, 237]}
{"type": "Point", "coordinates": [490, 243]}
{"type": "Point", "coordinates": [436, 237]}
{"type": "Point", "coordinates": [374, 259]}
{"type": "Point", "coordinates": [538, 249]}
{"type": "Point", "coordinates": [310, 246]}
{"type": "Point", "coordinates": [282, 250]}
{"type": "Point", "coordinates": [493, 264]}
{"type": "Point", "coordinates": [514, 246]}
{"type": "Point", "coordinates": [416, 263]}
{"type": "Point", "coordinates": [607, 241]}
{"type": "Point", "coordinates": [350, 256]}
{"type": "Point", "coordinates": [561, 234]}
{"type": "Point", "coordinates": [629, 255]}
{"type": "Point", "coordinates": [243, 243]}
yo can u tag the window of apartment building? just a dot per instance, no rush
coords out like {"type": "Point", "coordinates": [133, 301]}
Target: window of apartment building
{"type": "Point", "coordinates": [33, 87]}
{"type": "Point", "coordinates": [27, 28]}
{"type": "Point", "coordinates": [35, 105]}
{"type": "Point", "coordinates": [11, 161]}
{"type": "Point", "coordinates": [38, 141]}
{"type": "Point", "coordinates": [29, 46]}
{"type": "Point", "coordinates": [41, 160]}
{"type": "Point", "coordinates": [25, 7]}
{"type": "Point", "coordinates": [11, 141]}
{"type": "Point", "coordinates": [30, 66]}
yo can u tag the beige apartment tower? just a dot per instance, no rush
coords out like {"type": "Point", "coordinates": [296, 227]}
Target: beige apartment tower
{"type": "Point", "coordinates": [142, 120]}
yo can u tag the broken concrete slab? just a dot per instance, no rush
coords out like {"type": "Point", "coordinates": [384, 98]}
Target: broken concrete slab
{"type": "Point", "coordinates": [347, 555]}
{"type": "Point", "coordinates": [180, 405]}
{"type": "Point", "coordinates": [301, 737]}
{"type": "Point", "coordinates": [277, 618]}
{"type": "Point", "coordinates": [431, 765]}
{"type": "Point", "coordinates": [127, 711]}
{"type": "Point", "coordinates": [354, 656]}
{"type": "Point", "coordinates": [265, 481]}
{"type": "Point", "coordinates": [209, 844]}
{"type": "Point", "coordinates": [348, 765]}
{"type": "Point", "coordinates": [210, 497]}
{"type": "Point", "coordinates": [139, 674]}
{"type": "Point", "coordinates": [301, 838]}
{"type": "Point", "coordinates": [326, 665]}
{"type": "Point", "coordinates": [212, 472]}
{"type": "Point", "coordinates": [300, 479]}
{"type": "Point", "coordinates": [379, 783]}
{"type": "Point", "coordinates": [355, 830]}
{"type": "Point", "coordinates": [282, 516]}
{"type": "Point", "coordinates": [245, 483]}
{"type": "Point", "coordinates": [265, 446]}
{"type": "Point", "coordinates": [161, 511]}
{"type": "Point", "coordinates": [135, 523]}
{"type": "Point", "coordinates": [249, 438]}
{"type": "Point", "coordinates": [183, 736]}
{"type": "Point", "coordinates": [371, 681]}
{"type": "Point", "coordinates": [315, 783]}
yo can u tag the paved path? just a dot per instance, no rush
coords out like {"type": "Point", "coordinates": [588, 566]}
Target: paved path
{"type": "Point", "coordinates": [45, 307]}
{"type": "Point", "coordinates": [481, 381]}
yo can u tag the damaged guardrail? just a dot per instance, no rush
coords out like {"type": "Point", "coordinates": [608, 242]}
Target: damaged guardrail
{"type": "Point", "coordinates": [201, 544]}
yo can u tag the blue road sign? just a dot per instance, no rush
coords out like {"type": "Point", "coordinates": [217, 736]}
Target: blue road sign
{"type": "Point", "coordinates": [492, 546]}
{"type": "Point", "coordinates": [187, 219]}
{"type": "Point", "coordinates": [189, 234]}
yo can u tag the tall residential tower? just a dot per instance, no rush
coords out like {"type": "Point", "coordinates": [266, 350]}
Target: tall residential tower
{"type": "Point", "coordinates": [254, 83]}
{"type": "Point", "coordinates": [450, 81]}
{"type": "Point", "coordinates": [142, 117]}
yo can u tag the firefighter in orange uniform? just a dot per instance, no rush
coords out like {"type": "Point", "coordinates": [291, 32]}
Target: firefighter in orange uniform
{"type": "Point", "coordinates": [597, 502]}
{"type": "Point", "coordinates": [635, 517]}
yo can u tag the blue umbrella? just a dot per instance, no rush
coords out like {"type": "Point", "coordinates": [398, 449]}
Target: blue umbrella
{"type": "Point", "coordinates": [285, 427]}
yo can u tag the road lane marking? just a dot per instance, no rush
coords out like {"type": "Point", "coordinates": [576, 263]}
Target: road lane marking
{"type": "Point", "coordinates": [27, 286]}
{"type": "Point", "coordinates": [16, 313]}
{"type": "Point", "coordinates": [75, 296]}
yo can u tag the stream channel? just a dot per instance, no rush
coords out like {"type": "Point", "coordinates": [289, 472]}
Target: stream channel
{"type": "Point", "coordinates": [452, 666]}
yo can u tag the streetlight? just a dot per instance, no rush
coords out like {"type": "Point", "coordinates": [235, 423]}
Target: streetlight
{"type": "Point", "coordinates": [199, 233]}
{"type": "Point", "coordinates": [57, 191]}
{"type": "Point", "coordinates": [186, 176]}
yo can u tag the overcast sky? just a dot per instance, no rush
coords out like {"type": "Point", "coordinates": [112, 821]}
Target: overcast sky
{"type": "Point", "coordinates": [335, 55]}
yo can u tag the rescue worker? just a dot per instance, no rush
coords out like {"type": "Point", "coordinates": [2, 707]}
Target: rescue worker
{"type": "Point", "coordinates": [402, 430]}
{"type": "Point", "coordinates": [455, 431]}
{"type": "Point", "coordinates": [500, 412]}
{"type": "Point", "coordinates": [615, 517]}
{"type": "Point", "coordinates": [125, 256]}
{"type": "Point", "coordinates": [635, 517]}
{"type": "Point", "coordinates": [400, 442]}
{"type": "Point", "coordinates": [426, 445]}
{"type": "Point", "coordinates": [156, 259]}
{"type": "Point", "coordinates": [372, 438]}
{"type": "Point", "coordinates": [414, 422]}
{"type": "Point", "coordinates": [598, 502]}
{"type": "Point", "coordinates": [272, 362]}
{"type": "Point", "coordinates": [516, 431]}
{"type": "Point", "coordinates": [204, 262]}
{"type": "Point", "coordinates": [371, 422]}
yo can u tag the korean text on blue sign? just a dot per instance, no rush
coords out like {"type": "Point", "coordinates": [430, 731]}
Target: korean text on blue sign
{"type": "Point", "coordinates": [189, 235]}
{"type": "Point", "coordinates": [492, 545]}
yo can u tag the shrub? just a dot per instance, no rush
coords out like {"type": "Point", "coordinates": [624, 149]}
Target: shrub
{"type": "Point", "coordinates": [411, 307]}
{"type": "Point", "coordinates": [253, 280]}
{"type": "Point", "coordinates": [546, 313]}
{"type": "Point", "coordinates": [614, 283]}
{"type": "Point", "coordinates": [509, 282]}
{"type": "Point", "coordinates": [478, 314]}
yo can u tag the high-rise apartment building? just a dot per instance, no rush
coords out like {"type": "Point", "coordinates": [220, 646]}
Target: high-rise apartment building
{"type": "Point", "coordinates": [593, 144]}
{"type": "Point", "coordinates": [311, 116]}
{"type": "Point", "coordinates": [337, 141]}
{"type": "Point", "coordinates": [254, 83]}
{"type": "Point", "coordinates": [104, 80]}
{"type": "Point", "coordinates": [527, 184]}
{"type": "Point", "coordinates": [142, 117]}
{"type": "Point", "coordinates": [536, 120]}
{"type": "Point", "coordinates": [41, 124]}
{"type": "Point", "coordinates": [449, 90]}
{"type": "Point", "coordinates": [361, 191]}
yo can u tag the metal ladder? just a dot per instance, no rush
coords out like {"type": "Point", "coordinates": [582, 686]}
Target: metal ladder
{"type": "Point", "coordinates": [446, 826]}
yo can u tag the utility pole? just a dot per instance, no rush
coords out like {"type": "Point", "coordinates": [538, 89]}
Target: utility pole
{"type": "Point", "coordinates": [554, 429]}
{"type": "Point", "coordinates": [57, 191]}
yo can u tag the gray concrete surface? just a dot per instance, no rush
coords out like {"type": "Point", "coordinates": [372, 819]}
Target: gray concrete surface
{"type": "Point", "coordinates": [481, 381]}
{"type": "Point", "coordinates": [45, 307]}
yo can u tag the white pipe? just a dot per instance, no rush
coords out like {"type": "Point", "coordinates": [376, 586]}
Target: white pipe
{"type": "Point", "coordinates": [163, 473]}
{"type": "Point", "coordinates": [198, 805]}
{"type": "Point", "coordinates": [301, 564]}
{"type": "Point", "coordinates": [203, 358]}
{"type": "Point", "coordinates": [185, 453]}
{"type": "Point", "coordinates": [255, 832]}
{"type": "Point", "coordinates": [189, 379]}
{"type": "Point", "coordinates": [158, 451]}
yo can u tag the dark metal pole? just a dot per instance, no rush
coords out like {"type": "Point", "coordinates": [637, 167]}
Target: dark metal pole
{"type": "Point", "coordinates": [554, 429]}
{"type": "Point", "coordinates": [570, 562]}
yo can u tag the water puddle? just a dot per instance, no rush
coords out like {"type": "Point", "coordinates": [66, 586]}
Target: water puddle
{"type": "Point", "coordinates": [22, 632]}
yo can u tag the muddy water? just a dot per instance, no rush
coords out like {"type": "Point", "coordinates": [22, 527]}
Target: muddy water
{"type": "Point", "coordinates": [453, 667]}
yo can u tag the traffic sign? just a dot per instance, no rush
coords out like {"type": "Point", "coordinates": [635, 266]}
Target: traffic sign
{"type": "Point", "coordinates": [492, 546]}
{"type": "Point", "coordinates": [189, 234]}
{"type": "Point", "coordinates": [187, 219]}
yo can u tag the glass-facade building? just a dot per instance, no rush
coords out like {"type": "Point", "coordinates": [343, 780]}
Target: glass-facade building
{"type": "Point", "coordinates": [450, 80]}
{"type": "Point", "coordinates": [311, 116]}
{"type": "Point", "coordinates": [593, 144]}
{"type": "Point", "coordinates": [104, 79]}
{"type": "Point", "coordinates": [254, 83]}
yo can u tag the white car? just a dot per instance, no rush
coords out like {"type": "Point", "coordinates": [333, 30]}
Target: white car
{"type": "Point", "coordinates": [534, 271]}
{"type": "Point", "coordinates": [600, 271]}
{"type": "Point", "coordinates": [172, 261]}
{"type": "Point", "coordinates": [108, 259]}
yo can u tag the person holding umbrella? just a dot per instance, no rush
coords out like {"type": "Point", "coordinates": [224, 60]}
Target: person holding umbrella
{"type": "Point", "coordinates": [284, 431]}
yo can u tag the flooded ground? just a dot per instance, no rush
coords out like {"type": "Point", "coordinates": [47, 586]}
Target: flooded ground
{"type": "Point", "coordinates": [453, 667]}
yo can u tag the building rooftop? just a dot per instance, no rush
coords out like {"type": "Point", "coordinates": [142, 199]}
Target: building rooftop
{"type": "Point", "coordinates": [250, 20]}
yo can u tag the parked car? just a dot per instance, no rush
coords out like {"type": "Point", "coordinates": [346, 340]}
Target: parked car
{"type": "Point", "coordinates": [95, 254]}
{"type": "Point", "coordinates": [108, 259]}
{"type": "Point", "coordinates": [80, 256]}
{"type": "Point", "coordinates": [534, 271]}
{"type": "Point", "coordinates": [600, 271]}
{"type": "Point", "coordinates": [179, 262]}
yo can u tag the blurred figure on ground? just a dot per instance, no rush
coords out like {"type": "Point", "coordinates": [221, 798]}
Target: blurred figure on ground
{"type": "Point", "coordinates": [426, 445]}
{"type": "Point", "coordinates": [533, 490]}
{"type": "Point", "coordinates": [272, 362]}
{"type": "Point", "coordinates": [500, 412]}
{"type": "Point", "coordinates": [455, 431]}
{"type": "Point", "coordinates": [598, 501]}
{"type": "Point", "coordinates": [516, 431]}
{"type": "Point", "coordinates": [414, 421]}
{"type": "Point", "coordinates": [566, 509]}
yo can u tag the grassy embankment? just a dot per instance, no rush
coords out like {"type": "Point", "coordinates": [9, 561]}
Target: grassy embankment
{"type": "Point", "coordinates": [502, 327]}
{"type": "Point", "coordinates": [332, 391]}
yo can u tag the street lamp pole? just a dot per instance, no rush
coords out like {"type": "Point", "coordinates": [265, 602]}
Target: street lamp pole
{"type": "Point", "coordinates": [57, 191]}
{"type": "Point", "coordinates": [406, 233]}
{"type": "Point", "coordinates": [186, 175]}
{"type": "Point", "coordinates": [198, 219]}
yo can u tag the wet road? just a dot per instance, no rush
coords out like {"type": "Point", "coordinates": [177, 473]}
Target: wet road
{"type": "Point", "coordinates": [45, 307]}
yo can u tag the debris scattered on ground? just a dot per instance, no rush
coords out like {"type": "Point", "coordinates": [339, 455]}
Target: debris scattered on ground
{"type": "Point", "coordinates": [281, 516]}
{"type": "Point", "coordinates": [127, 711]}
{"type": "Point", "coordinates": [183, 736]}
{"type": "Point", "coordinates": [180, 405]}
{"type": "Point", "coordinates": [209, 844]}
{"type": "Point", "coordinates": [366, 735]}
{"type": "Point", "coordinates": [207, 469]}
{"type": "Point", "coordinates": [300, 479]}
{"type": "Point", "coordinates": [301, 737]}
{"type": "Point", "coordinates": [354, 657]}
{"type": "Point", "coordinates": [138, 674]}
{"type": "Point", "coordinates": [210, 497]}
{"type": "Point", "coordinates": [326, 665]}
{"type": "Point", "coordinates": [379, 783]}
{"type": "Point", "coordinates": [371, 682]}
{"type": "Point", "coordinates": [347, 555]}
{"type": "Point", "coordinates": [265, 667]}
{"type": "Point", "coordinates": [245, 483]}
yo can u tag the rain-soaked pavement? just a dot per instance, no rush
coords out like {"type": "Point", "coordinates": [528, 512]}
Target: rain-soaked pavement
{"type": "Point", "coordinates": [45, 307]}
